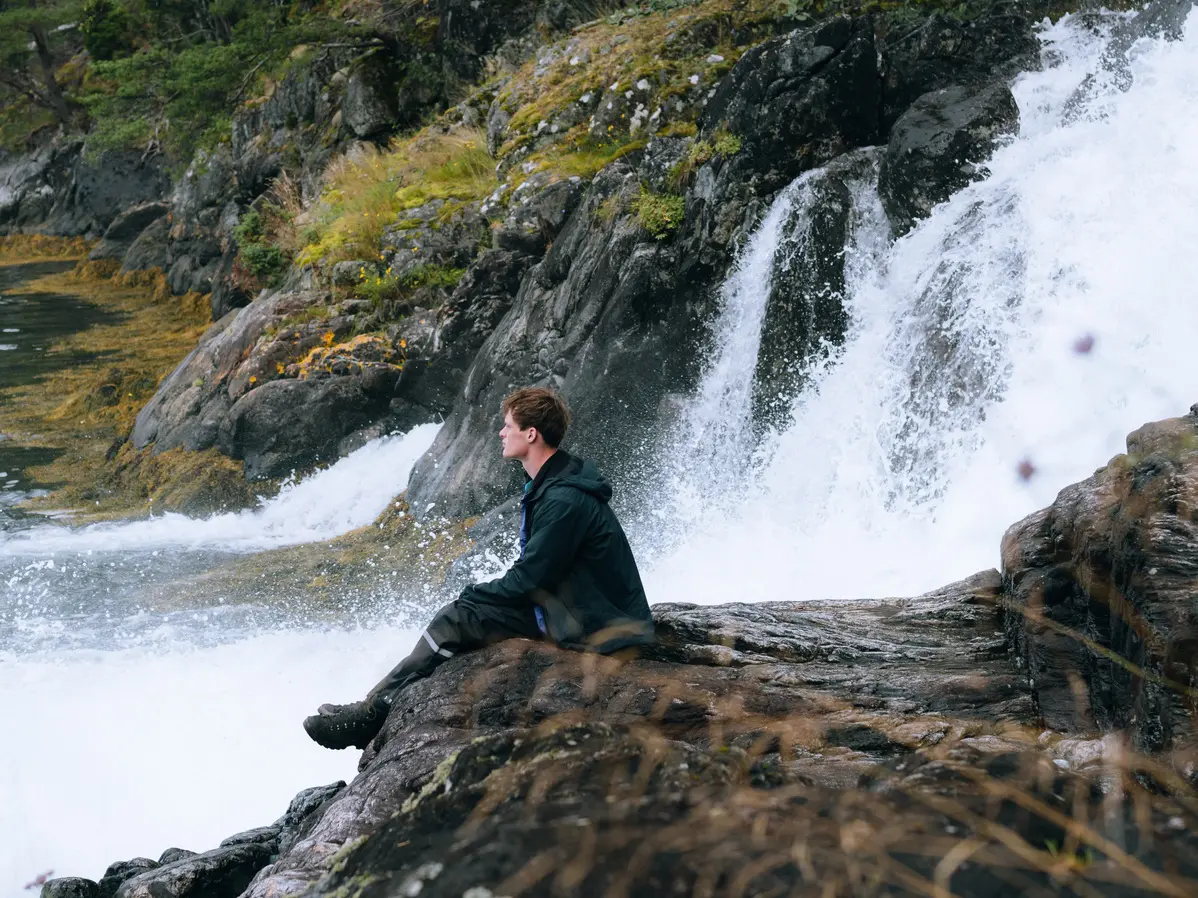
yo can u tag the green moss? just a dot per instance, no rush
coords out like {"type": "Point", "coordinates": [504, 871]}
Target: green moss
{"type": "Point", "coordinates": [388, 287]}
{"type": "Point", "coordinates": [659, 213]}
{"type": "Point", "coordinates": [438, 782]}
{"type": "Point", "coordinates": [723, 143]}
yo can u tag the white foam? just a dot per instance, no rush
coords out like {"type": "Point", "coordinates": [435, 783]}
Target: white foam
{"type": "Point", "coordinates": [112, 755]}
{"type": "Point", "coordinates": [344, 496]}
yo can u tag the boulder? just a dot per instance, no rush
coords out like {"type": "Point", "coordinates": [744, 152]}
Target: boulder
{"type": "Point", "coordinates": [222, 873]}
{"type": "Point", "coordinates": [190, 404]}
{"type": "Point", "coordinates": [946, 51]}
{"type": "Point", "coordinates": [70, 887]}
{"type": "Point", "coordinates": [175, 854]}
{"type": "Point", "coordinates": [125, 230]}
{"type": "Point", "coordinates": [261, 835]}
{"type": "Point", "coordinates": [1099, 590]}
{"type": "Point", "coordinates": [289, 425]}
{"type": "Point", "coordinates": [120, 872]}
{"type": "Point", "coordinates": [939, 145]}
{"type": "Point", "coordinates": [149, 249]}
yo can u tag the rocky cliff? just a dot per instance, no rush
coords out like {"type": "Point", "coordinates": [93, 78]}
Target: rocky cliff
{"type": "Point", "coordinates": [632, 154]}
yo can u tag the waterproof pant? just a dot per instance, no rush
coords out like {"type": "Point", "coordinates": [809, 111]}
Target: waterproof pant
{"type": "Point", "coordinates": [459, 627]}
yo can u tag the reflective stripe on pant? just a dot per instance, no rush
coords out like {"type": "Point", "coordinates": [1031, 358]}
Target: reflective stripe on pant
{"type": "Point", "coordinates": [459, 627]}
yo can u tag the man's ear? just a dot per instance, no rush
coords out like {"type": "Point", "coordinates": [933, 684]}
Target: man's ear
{"type": "Point", "coordinates": [533, 433]}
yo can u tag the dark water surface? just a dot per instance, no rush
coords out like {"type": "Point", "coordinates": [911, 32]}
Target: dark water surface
{"type": "Point", "coordinates": [30, 323]}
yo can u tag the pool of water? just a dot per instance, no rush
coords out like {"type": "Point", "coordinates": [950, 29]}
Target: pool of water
{"type": "Point", "coordinates": [30, 324]}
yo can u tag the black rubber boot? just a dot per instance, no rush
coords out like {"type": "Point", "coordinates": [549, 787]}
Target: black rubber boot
{"type": "Point", "coordinates": [345, 726]}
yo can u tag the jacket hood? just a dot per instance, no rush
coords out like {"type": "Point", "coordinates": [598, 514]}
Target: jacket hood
{"type": "Point", "coordinates": [569, 470]}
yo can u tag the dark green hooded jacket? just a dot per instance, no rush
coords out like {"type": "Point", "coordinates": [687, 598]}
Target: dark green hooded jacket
{"type": "Point", "coordinates": [576, 564]}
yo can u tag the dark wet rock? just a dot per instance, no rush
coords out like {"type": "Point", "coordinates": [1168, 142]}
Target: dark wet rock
{"type": "Point", "coordinates": [149, 250]}
{"type": "Point", "coordinates": [262, 835]}
{"type": "Point", "coordinates": [222, 873]}
{"type": "Point", "coordinates": [369, 107]}
{"type": "Point", "coordinates": [125, 230]}
{"type": "Point", "coordinates": [433, 378]}
{"type": "Point", "coordinates": [946, 51]}
{"type": "Point", "coordinates": [175, 854]}
{"type": "Point", "coordinates": [64, 191]}
{"type": "Point", "coordinates": [880, 676]}
{"type": "Point", "coordinates": [122, 871]}
{"type": "Point", "coordinates": [798, 101]}
{"type": "Point", "coordinates": [537, 211]}
{"type": "Point", "coordinates": [1099, 587]}
{"type": "Point", "coordinates": [70, 887]}
{"type": "Point", "coordinates": [805, 318]}
{"type": "Point", "coordinates": [289, 425]}
{"type": "Point", "coordinates": [939, 146]}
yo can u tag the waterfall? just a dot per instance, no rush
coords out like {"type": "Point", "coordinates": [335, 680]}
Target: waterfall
{"type": "Point", "coordinates": [1000, 351]}
{"type": "Point", "coordinates": [714, 450]}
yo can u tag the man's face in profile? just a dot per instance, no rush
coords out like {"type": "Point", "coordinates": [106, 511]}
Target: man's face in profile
{"type": "Point", "coordinates": [516, 442]}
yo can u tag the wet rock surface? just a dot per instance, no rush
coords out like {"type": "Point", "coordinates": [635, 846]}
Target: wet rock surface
{"type": "Point", "coordinates": [939, 146]}
{"type": "Point", "coordinates": [871, 736]}
{"type": "Point", "coordinates": [1100, 594]}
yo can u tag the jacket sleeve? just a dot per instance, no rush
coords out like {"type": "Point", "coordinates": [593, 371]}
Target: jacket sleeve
{"type": "Point", "coordinates": [558, 529]}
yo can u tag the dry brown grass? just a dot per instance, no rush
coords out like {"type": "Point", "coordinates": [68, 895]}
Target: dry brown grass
{"type": "Point", "coordinates": [367, 188]}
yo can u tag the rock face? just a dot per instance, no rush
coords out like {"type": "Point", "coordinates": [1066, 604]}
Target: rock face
{"type": "Point", "coordinates": [126, 228]}
{"type": "Point", "coordinates": [1100, 591]}
{"type": "Point", "coordinates": [802, 99]}
{"type": "Point", "coordinates": [856, 681]}
{"type": "Point", "coordinates": [61, 190]}
{"type": "Point", "coordinates": [937, 147]}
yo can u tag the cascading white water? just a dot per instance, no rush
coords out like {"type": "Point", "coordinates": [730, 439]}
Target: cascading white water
{"type": "Point", "coordinates": [707, 467]}
{"type": "Point", "coordinates": [1031, 322]}
{"type": "Point", "coordinates": [348, 494]}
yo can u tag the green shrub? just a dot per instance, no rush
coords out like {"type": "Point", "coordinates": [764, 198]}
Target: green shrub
{"type": "Point", "coordinates": [386, 287]}
{"type": "Point", "coordinates": [264, 261]}
{"type": "Point", "coordinates": [659, 213]}
{"type": "Point", "coordinates": [249, 228]}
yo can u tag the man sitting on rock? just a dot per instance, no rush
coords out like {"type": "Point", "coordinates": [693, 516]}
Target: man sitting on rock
{"type": "Point", "coordinates": [575, 584]}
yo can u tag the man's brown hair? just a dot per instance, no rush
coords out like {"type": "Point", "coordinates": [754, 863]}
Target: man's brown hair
{"type": "Point", "coordinates": [540, 408]}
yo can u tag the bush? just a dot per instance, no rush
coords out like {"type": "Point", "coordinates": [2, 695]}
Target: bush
{"type": "Point", "coordinates": [107, 29]}
{"type": "Point", "coordinates": [264, 261]}
{"type": "Point", "coordinates": [659, 213]}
